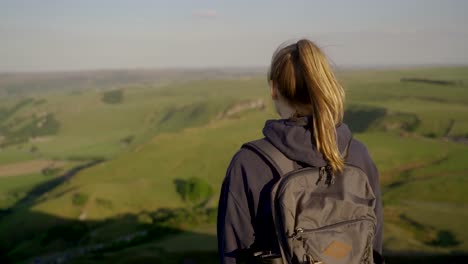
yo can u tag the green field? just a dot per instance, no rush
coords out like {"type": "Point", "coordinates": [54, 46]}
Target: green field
{"type": "Point", "coordinates": [145, 139]}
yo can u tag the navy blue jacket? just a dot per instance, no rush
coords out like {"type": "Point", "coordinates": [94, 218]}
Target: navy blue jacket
{"type": "Point", "coordinates": [244, 213]}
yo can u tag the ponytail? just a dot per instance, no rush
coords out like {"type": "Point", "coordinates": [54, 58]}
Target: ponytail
{"type": "Point", "coordinates": [305, 79]}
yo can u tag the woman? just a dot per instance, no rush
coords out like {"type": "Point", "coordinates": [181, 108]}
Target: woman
{"type": "Point", "coordinates": [310, 102]}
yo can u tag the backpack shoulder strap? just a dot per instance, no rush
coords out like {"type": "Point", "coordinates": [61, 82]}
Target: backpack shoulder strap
{"type": "Point", "coordinates": [281, 163]}
{"type": "Point", "coordinates": [264, 147]}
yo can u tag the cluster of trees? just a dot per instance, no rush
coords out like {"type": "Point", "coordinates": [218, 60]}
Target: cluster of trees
{"type": "Point", "coordinates": [194, 191]}
{"type": "Point", "coordinates": [112, 97]}
{"type": "Point", "coordinates": [36, 127]}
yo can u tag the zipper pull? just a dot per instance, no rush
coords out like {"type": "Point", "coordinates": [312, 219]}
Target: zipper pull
{"type": "Point", "coordinates": [321, 173]}
{"type": "Point", "coordinates": [330, 177]}
{"type": "Point", "coordinates": [297, 233]}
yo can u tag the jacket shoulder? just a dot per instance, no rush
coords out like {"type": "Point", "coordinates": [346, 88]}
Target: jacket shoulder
{"type": "Point", "coordinates": [246, 161]}
{"type": "Point", "coordinates": [357, 150]}
{"type": "Point", "coordinates": [359, 156]}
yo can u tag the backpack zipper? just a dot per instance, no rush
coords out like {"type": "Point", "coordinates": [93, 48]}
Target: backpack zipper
{"type": "Point", "coordinates": [299, 230]}
{"type": "Point", "coordinates": [310, 259]}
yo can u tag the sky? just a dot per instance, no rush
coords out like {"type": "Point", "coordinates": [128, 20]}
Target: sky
{"type": "Point", "coordinates": [65, 35]}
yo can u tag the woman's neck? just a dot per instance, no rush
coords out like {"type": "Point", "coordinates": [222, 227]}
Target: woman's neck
{"type": "Point", "coordinates": [283, 108]}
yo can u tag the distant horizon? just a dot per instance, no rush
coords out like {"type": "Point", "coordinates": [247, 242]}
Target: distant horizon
{"type": "Point", "coordinates": [235, 68]}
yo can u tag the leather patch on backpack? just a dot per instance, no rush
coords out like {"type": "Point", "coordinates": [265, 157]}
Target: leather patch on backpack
{"type": "Point", "coordinates": [337, 249]}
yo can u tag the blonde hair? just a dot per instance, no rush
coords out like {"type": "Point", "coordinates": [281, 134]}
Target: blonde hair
{"type": "Point", "coordinates": [304, 77]}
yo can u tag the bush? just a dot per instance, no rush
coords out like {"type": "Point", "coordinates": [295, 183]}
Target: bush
{"type": "Point", "coordinates": [80, 199]}
{"type": "Point", "coordinates": [113, 97]}
{"type": "Point", "coordinates": [34, 149]}
{"type": "Point", "coordinates": [194, 190]}
{"type": "Point", "coordinates": [127, 140]}
{"type": "Point", "coordinates": [431, 135]}
{"type": "Point", "coordinates": [104, 203]}
{"type": "Point", "coordinates": [445, 238]}
{"type": "Point", "coordinates": [49, 171]}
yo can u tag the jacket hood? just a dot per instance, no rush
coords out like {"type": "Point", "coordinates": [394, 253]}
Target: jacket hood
{"type": "Point", "coordinates": [295, 140]}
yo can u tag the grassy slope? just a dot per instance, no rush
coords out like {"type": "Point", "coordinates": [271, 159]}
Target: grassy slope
{"type": "Point", "coordinates": [90, 127]}
{"type": "Point", "coordinates": [434, 105]}
{"type": "Point", "coordinates": [432, 172]}
{"type": "Point", "coordinates": [141, 178]}
{"type": "Point", "coordinates": [118, 185]}
{"type": "Point", "coordinates": [144, 179]}
{"type": "Point", "coordinates": [14, 188]}
{"type": "Point", "coordinates": [13, 155]}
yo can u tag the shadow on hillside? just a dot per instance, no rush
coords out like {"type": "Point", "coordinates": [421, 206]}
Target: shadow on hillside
{"type": "Point", "coordinates": [46, 186]}
{"type": "Point", "coordinates": [361, 118]}
{"type": "Point", "coordinates": [28, 235]}
{"type": "Point", "coordinates": [137, 240]}
{"type": "Point", "coordinates": [41, 238]}
{"type": "Point", "coordinates": [33, 237]}
{"type": "Point", "coordinates": [74, 241]}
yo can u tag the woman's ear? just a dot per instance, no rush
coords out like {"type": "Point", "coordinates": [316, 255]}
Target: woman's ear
{"type": "Point", "coordinates": [274, 91]}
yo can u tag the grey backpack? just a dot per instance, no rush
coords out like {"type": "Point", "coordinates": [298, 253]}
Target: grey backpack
{"type": "Point", "coordinates": [320, 217]}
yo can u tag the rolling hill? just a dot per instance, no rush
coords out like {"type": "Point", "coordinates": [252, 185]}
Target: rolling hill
{"type": "Point", "coordinates": [125, 157]}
